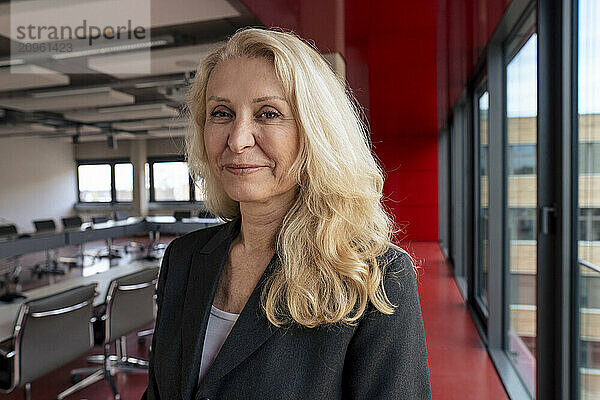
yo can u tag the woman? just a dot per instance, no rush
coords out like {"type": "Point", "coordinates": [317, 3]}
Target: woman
{"type": "Point", "coordinates": [301, 295]}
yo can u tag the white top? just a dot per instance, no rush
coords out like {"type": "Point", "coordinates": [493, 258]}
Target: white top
{"type": "Point", "coordinates": [220, 324]}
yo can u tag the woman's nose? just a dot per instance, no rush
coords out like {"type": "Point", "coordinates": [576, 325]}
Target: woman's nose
{"type": "Point", "coordinates": [242, 135]}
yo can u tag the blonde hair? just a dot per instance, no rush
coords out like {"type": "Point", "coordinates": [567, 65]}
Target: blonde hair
{"type": "Point", "coordinates": [331, 241]}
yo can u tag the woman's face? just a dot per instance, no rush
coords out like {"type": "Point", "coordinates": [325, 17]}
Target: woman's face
{"type": "Point", "coordinates": [250, 135]}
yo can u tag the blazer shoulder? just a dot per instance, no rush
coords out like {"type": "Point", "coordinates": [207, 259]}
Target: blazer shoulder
{"type": "Point", "coordinates": [194, 240]}
{"type": "Point", "coordinates": [400, 274]}
{"type": "Point", "coordinates": [397, 260]}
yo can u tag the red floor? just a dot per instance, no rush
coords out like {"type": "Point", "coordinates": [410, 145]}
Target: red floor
{"type": "Point", "coordinates": [460, 367]}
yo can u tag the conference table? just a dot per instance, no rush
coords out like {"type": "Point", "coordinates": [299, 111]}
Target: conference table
{"type": "Point", "coordinates": [87, 233]}
{"type": "Point", "coordinates": [34, 242]}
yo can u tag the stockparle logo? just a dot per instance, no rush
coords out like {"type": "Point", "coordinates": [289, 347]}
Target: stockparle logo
{"type": "Point", "coordinates": [83, 31]}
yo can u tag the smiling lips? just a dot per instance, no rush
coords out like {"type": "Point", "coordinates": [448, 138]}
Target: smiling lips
{"type": "Point", "coordinates": [243, 169]}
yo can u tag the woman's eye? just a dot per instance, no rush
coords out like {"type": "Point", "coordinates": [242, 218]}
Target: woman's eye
{"type": "Point", "coordinates": [220, 114]}
{"type": "Point", "coordinates": [269, 114]}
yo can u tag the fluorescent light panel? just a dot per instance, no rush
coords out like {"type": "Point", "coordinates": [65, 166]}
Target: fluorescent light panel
{"type": "Point", "coordinates": [30, 76]}
{"type": "Point", "coordinates": [123, 113]}
{"type": "Point", "coordinates": [163, 61]}
{"type": "Point", "coordinates": [68, 99]}
{"type": "Point", "coordinates": [167, 133]}
{"type": "Point", "coordinates": [33, 128]}
{"type": "Point", "coordinates": [151, 124]}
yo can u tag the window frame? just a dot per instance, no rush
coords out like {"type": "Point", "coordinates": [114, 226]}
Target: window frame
{"type": "Point", "coordinates": [165, 159]}
{"type": "Point", "coordinates": [113, 190]}
{"type": "Point", "coordinates": [481, 308]}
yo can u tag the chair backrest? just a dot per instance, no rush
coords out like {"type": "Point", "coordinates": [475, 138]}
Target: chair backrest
{"type": "Point", "coordinates": [121, 215]}
{"type": "Point", "coordinates": [72, 222]}
{"type": "Point", "coordinates": [52, 331]}
{"type": "Point", "coordinates": [179, 215]}
{"type": "Point", "coordinates": [44, 225]}
{"type": "Point", "coordinates": [8, 230]}
{"type": "Point", "coordinates": [130, 303]}
{"type": "Point", "coordinates": [99, 220]}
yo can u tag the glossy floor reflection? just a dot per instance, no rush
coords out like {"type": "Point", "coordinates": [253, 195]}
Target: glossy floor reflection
{"type": "Point", "coordinates": [459, 365]}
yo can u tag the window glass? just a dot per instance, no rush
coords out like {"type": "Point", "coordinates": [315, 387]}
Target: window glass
{"type": "Point", "coordinates": [589, 156]}
{"type": "Point", "coordinates": [521, 159]}
{"type": "Point", "coordinates": [94, 183]}
{"type": "Point", "coordinates": [124, 181]}
{"type": "Point", "coordinates": [483, 250]}
{"type": "Point", "coordinates": [589, 198]}
{"type": "Point", "coordinates": [171, 181]}
{"type": "Point", "coordinates": [521, 181]}
{"type": "Point", "coordinates": [147, 180]}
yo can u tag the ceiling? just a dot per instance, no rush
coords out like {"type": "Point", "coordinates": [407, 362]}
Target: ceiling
{"type": "Point", "coordinates": [127, 89]}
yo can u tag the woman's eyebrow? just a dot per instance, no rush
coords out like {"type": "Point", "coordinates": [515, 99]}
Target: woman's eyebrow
{"type": "Point", "coordinates": [265, 98]}
{"type": "Point", "coordinates": [216, 98]}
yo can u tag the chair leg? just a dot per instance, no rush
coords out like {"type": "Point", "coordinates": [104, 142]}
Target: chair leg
{"type": "Point", "coordinates": [129, 363]}
{"type": "Point", "coordinates": [28, 391]}
{"type": "Point", "coordinates": [107, 372]}
{"type": "Point", "coordinates": [93, 378]}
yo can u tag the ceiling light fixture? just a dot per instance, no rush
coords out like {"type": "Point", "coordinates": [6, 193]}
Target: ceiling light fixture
{"type": "Point", "coordinates": [113, 49]}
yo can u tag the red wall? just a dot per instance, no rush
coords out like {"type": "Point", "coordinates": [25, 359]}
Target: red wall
{"type": "Point", "coordinates": [390, 53]}
{"type": "Point", "coordinates": [464, 29]}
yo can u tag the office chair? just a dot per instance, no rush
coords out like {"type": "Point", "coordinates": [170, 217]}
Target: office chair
{"type": "Point", "coordinates": [72, 223]}
{"type": "Point", "coordinates": [51, 264]}
{"type": "Point", "coordinates": [10, 275]}
{"type": "Point", "coordinates": [129, 307]}
{"type": "Point", "coordinates": [99, 220]}
{"type": "Point", "coordinates": [179, 215]}
{"type": "Point", "coordinates": [49, 333]}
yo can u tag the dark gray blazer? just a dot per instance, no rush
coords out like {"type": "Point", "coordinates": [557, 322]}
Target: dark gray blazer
{"type": "Point", "coordinates": [383, 357]}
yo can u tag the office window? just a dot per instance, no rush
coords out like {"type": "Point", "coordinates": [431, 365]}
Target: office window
{"type": "Point", "coordinates": [589, 154]}
{"type": "Point", "coordinates": [589, 224]}
{"type": "Point", "coordinates": [105, 182]}
{"type": "Point", "coordinates": [522, 223]}
{"type": "Point", "coordinates": [94, 183]}
{"type": "Point", "coordinates": [589, 198]}
{"type": "Point", "coordinates": [521, 181]}
{"type": "Point", "coordinates": [124, 181]}
{"type": "Point", "coordinates": [147, 180]}
{"type": "Point", "coordinates": [521, 159]}
{"type": "Point", "coordinates": [482, 268]}
{"type": "Point", "coordinates": [171, 181]}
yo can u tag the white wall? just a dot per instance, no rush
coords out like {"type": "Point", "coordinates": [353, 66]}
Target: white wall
{"type": "Point", "coordinates": [37, 180]}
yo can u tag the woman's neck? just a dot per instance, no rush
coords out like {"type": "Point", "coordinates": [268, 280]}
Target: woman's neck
{"type": "Point", "coordinates": [261, 223]}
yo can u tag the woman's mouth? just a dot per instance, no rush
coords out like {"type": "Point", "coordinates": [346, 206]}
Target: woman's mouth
{"type": "Point", "coordinates": [243, 169]}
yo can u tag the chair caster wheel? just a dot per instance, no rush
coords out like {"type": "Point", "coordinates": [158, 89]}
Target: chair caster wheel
{"type": "Point", "coordinates": [76, 378]}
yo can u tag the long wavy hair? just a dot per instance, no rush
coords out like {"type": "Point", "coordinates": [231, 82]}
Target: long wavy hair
{"type": "Point", "coordinates": [333, 238]}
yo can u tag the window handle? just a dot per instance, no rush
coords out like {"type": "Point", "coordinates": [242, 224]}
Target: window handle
{"type": "Point", "coordinates": [547, 220]}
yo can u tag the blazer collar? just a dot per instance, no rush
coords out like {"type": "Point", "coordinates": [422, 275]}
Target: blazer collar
{"type": "Point", "coordinates": [251, 329]}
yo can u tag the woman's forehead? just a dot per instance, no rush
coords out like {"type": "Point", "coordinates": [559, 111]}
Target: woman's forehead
{"type": "Point", "coordinates": [244, 76]}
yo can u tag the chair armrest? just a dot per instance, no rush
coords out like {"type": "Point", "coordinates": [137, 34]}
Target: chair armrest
{"type": "Point", "coordinates": [7, 352]}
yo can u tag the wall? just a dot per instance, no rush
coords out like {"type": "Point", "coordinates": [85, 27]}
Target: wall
{"type": "Point", "coordinates": [464, 27]}
{"type": "Point", "coordinates": [37, 180]}
{"type": "Point", "coordinates": [402, 92]}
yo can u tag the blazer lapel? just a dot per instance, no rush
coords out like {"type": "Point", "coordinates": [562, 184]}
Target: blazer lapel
{"type": "Point", "coordinates": [249, 332]}
{"type": "Point", "coordinates": [203, 276]}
